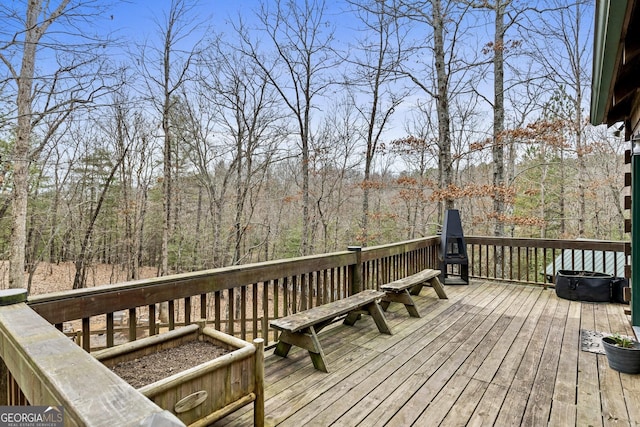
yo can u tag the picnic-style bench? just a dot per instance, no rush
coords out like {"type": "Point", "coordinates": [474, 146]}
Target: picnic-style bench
{"type": "Point", "coordinates": [301, 329]}
{"type": "Point", "coordinates": [401, 290]}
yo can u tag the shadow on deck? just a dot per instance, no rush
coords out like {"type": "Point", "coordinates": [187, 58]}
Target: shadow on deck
{"type": "Point", "coordinates": [492, 354]}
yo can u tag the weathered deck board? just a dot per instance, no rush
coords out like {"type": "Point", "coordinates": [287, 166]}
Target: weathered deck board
{"type": "Point", "coordinates": [417, 390]}
{"type": "Point", "coordinates": [492, 354]}
{"type": "Point", "coordinates": [538, 410]}
{"type": "Point", "coordinates": [588, 399]}
{"type": "Point", "coordinates": [563, 409]}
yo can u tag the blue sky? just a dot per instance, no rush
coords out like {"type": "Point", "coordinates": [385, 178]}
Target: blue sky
{"type": "Point", "coordinates": [137, 17]}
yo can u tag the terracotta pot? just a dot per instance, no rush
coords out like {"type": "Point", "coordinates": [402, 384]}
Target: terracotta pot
{"type": "Point", "coordinates": [622, 359]}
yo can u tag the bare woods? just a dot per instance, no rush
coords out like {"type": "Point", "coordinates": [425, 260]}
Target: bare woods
{"type": "Point", "coordinates": [202, 140]}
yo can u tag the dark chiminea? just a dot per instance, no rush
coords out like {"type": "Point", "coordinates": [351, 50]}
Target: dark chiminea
{"type": "Point", "coordinates": [453, 250]}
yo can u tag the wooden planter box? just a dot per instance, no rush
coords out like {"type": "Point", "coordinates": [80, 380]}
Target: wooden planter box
{"type": "Point", "coordinates": [207, 392]}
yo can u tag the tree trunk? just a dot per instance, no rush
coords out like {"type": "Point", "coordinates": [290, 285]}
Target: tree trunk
{"type": "Point", "coordinates": [498, 117]}
{"type": "Point", "coordinates": [21, 151]}
{"type": "Point", "coordinates": [442, 103]}
{"type": "Point", "coordinates": [80, 278]}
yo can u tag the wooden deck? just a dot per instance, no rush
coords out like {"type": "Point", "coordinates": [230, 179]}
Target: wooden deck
{"type": "Point", "coordinates": [492, 354]}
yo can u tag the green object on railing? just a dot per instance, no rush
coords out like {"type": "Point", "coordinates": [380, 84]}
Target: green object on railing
{"type": "Point", "coordinates": [12, 296]}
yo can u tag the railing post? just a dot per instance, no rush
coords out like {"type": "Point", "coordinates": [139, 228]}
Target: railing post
{"type": "Point", "coordinates": [355, 272]}
{"type": "Point", "coordinates": [8, 297]}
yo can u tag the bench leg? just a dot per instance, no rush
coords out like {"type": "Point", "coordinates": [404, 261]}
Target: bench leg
{"type": "Point", "coordinates": [283, 347]}
{"type": "Point", "coordinates": [317, 355]}
{"type": "Point", "coordinates": [415, 290]}
{"type": "Point", "coordinates": [403, 297]}
{"type": "Point", "coordinates": [352, 317]}
{"type": "Point", "coordinates": [307, 340]}
{"type": "Point", "coordinates": [378, 316]}
{"type": "Point", "coordinates": [437, 286]}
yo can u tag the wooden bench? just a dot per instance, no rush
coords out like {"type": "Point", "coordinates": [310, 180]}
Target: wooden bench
{"type": "Point", "coordinates": [301, 329]}
{"type": "Point", "coordinates": [401, 290]}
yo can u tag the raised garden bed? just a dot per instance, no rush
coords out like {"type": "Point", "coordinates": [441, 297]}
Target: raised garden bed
{"type": "Point", "coordinates": [200, 394]}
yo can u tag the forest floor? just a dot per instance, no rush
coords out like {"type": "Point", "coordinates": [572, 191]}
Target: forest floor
{"type": "Point", "coordinates": [50, 278]}
{"type": "Point", "coordinates": [59, 277]}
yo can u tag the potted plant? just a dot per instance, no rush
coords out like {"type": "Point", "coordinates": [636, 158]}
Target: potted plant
{"type": "Point", "coordinates": [622, 353]}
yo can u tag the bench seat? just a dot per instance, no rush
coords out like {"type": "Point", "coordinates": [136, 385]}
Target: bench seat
{"type": "Point", "coordinates": [401, 290]}
{"type": "Point", "coordinates": [301, 329]}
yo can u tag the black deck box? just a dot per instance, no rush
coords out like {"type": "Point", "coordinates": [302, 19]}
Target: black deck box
{"type": "Point", "coordinates": [587, 286]}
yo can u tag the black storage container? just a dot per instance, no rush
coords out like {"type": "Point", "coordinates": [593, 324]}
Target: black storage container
{"type": "Point", "coordinates": [584, 285]}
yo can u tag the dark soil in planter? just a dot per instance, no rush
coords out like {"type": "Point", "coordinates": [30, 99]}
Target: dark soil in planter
{"type": "Point", "coordinates": [154, 367]}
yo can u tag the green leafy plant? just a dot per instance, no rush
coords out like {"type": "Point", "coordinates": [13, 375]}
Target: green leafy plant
{"type": "Point", "coordinates": [622, 341]}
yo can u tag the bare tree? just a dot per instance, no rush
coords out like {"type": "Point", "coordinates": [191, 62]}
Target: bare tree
{"type": "Point", "coordinates": [376, 58]}
{"type": "Point", "coordinates": [105, 175]}
{"type": "Point", "coordinates": [506, 14]}
{"type": "Point", "coordinates": [72, 80]}
{"type": "Point", "coordinates": [300, 34]}
{"type": "Point", "coordinates": [445, 23]}
{"type": "Point", "coordinates": [132, 136]}
{"type": "Point", "coordinates": [561, 29]}
{"type": "Point", "coordinates": [334, 161]}
{"type": "Point", "coordinates": [165, 70]}
{"type": "Point", "coordinates": [235, 97]}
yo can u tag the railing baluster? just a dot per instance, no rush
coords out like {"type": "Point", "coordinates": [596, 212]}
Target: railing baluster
{"type": "Point", "coordinates": [276, 305]}
{"type": "Point", "coordinates": [325, 286]}
{"type": "Point", "coordinates": [294, 294]}
{"type": "Point", "coordinates": [110, 331]}
{"type": "Point", "coordinates": [285, 296]}
{"type": "Point", "coordinates": [308, 277]}
{"type": "Point", "coordinates": [255, 300]}
{"type": "Point", "coordinates": [230, 311]}
{"type": "Point", "coordinates": [519, 263]}
{"type": "Point", "coordinates": [302, 283]}
{"type": "Point", "coordinates": [265, 311]}
{"type": "Point", "coordinates": [133, 323]}
{"type": "Point", "coordinates": [535, 266]}
{"type": "Point", "coordinates": [243, 312]}
{"type": "Point", "coordinates": [172, 315]}
{"type": "Point", "coordinates": [217, 309]}
{"type": "Point", "coordinates": [152, 319]}
{"type": "Point", "coordinates": [86, 333]}
{"type": "Point", "coordinates": [510, 263]}
{"type": "Point", "coordinates": [187, 311]}
{"type": "Point", "coordinates": [203, 306]}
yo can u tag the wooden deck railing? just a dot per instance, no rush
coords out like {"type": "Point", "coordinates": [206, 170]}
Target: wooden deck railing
{"type": "Point", "coordinates": [241, 300]}
{"type": "Point", "coordinates": [238, 300]}
{"type": "Point", "coordinates": [526, 260]}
